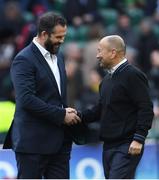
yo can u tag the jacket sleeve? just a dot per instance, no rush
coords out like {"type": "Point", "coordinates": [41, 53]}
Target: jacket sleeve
{"type": "Point", "coordinates": [23, 78]}
{"type": "Point", "coordinates": [91, 115]}
{"type": "Point", "coordinates": [139, 93]}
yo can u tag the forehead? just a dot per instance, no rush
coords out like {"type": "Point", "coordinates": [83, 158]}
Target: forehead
{"type": "Point", "coordinates": [103, 44]}
{"type": "Point", "coordinates": [58, 29]}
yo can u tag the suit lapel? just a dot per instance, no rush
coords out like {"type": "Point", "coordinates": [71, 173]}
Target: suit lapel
{"type": "Point", "coordinates": [61, 71]}
{"type": "Point", "coordinates": [44, 64]}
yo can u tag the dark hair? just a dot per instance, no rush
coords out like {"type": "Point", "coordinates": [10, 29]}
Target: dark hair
{"type": "Point", "coordinates": [48, 21]}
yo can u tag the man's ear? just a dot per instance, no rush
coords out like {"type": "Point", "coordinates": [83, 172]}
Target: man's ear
{"type": "Point", "coordinates": [114, 52]}
{"type": "Point", "coordinates": [44, 35]}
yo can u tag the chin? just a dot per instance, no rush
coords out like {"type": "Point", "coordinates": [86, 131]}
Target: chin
{"type": "Point", "coordinates": [55, 51]}
{"type": "Point", "coordinates": [101, 65]}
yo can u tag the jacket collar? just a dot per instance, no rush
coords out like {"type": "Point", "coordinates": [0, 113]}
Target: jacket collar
{"type": "Point", "coordinates": [121, 67]}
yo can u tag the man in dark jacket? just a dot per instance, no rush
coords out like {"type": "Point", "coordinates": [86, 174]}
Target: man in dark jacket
{"type": "Point", "coordinates": [125, 110]}
{"type": "Point", "coordinates": [38, 134]}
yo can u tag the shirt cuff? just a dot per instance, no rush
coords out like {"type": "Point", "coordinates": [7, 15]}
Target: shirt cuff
{"type": "Point", "coordinates": [139, 138]}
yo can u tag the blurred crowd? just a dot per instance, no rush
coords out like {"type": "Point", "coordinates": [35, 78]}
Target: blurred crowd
{"type": "Point", "coordinates": [137, 21]}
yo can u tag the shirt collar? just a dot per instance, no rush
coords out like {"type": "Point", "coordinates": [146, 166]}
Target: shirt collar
{"type": "Point", "coordinates": [112, 70]}
{"type": "Point", "coordinates": [43, 51]}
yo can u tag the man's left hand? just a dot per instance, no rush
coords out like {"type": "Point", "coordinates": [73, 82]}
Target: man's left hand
{"type": "Point", "coordinates": [135, 148]}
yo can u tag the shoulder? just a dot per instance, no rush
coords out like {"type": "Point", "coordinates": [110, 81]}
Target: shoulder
{"type": "Point", "coordinates": [26, 52]}
{"type": "Point", "coordinates": [133, 73]}
{"type": "Point", "coordinates": [24, 57]}
{"type": "Point", "coordinates": [133, 70]}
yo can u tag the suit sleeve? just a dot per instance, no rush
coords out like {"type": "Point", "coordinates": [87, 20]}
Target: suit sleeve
{"type": "Point", "coordinates": [23, 78]}
{"type": "Point", "coordinates": [139, 94]}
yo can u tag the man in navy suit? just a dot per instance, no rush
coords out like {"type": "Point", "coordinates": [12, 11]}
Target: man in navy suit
{"type": "Point", "coordinates": [124, 110]}
{"type": "Point", "coordinates": [38, 134]}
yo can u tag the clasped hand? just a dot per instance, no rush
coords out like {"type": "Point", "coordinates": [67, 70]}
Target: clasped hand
{"type": "Point", "coordinates": [71, 117]}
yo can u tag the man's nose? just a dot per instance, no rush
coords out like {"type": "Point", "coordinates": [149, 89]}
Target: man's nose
{"type": "Point", "coordinates": [61, 40]}
{"type": "Point", "coordinates": [97, 56]}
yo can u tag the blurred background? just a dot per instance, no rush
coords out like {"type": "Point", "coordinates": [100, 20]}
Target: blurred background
{"type": "Point", "coordinates": [136, 21]}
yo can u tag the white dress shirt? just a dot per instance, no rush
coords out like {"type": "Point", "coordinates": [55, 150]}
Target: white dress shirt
{"type": "Point", "coordinates": [52, 62]}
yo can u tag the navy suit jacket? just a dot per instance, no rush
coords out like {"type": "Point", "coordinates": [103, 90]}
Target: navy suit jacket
{"type": "Point", "coordinates": [38, 121]}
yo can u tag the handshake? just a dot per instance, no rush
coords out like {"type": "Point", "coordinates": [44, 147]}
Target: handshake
{"type": "Point", "coordinates": [71, 117]}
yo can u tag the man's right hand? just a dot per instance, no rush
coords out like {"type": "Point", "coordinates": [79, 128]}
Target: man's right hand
{"type": "Point", "coordinates": [71, 117]}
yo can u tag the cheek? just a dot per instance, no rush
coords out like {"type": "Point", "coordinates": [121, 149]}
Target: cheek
{"type": "Point", "coordinates": [104, 56]}
{"type": "Point", "coordinates": [101, 55]}
{"type": "Point", "coordinates": [54, 40]}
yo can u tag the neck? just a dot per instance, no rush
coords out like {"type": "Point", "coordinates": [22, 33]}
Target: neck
{"type": "Point", "coordinates": [39, 40]}
{"type": "Point", "coordinates": [117, 61]}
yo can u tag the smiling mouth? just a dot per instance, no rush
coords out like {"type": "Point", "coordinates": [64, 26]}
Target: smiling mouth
{"type": "Point", "coordinates": [57, 45]}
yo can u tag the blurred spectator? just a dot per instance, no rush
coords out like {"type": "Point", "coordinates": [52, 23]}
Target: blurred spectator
{"type": "Point", "coordinates": [156, 16]}
{"type": "Point", "coordinates": [7, 46]}
{"type": "Point", "coordinates": [11, 17]}
{"type": "Point", "coordinates": [80, 11]}
{"type": "Point", "coordinates": [31, 5]}
{"type": "Point", "coordinates": [157, 6]}
{"type": "Point", "coordinates": [150, 7]}
{"type": "Point", "coordinates": [131, 54]}
{"type": "Point", "coordinates": [26, 35]}
{"type": "Point", "coordinates": [146, 44]}
{"type": "Point", "coordinates": [90, 95]}
{"type": "Point", "coordinates": [6, 90]}
{"type": "Point", "coordinates": [154, 75]}
{"type": "Point", "coordinates": [88, 99]}
{"type": "Point", "coordinates": [125, 30]}
{"type": "Point", "coordinates": [134, 3]}
{"type": "Point", "coordinates": [29, 30]}
{"type": "Point", "coordinates": [116, 4]}
{"type": "Point", "coordinates": [73, 61]}
{"type": "Point", "coordinates": [154, 91]}
{"type": "Point", "coordinates": [90, 51]}
{"type": "Point", "coordinates": [1, 5]}
{"type": "Point", "coordinates": [7, 51]}
{"type": "Point", "coordinates": [122, 5]}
